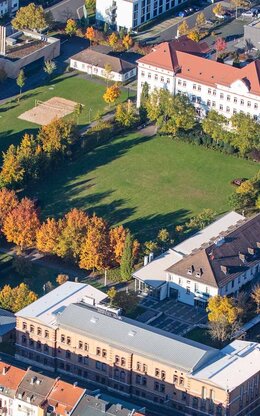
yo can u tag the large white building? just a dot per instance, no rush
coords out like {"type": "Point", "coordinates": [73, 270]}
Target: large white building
{"type": "Point", "coordinates": [182, 68]}
{"type": "Point", "coordinates": [132, 13]}
{"type": "Point", "coordinates": [217, 260]}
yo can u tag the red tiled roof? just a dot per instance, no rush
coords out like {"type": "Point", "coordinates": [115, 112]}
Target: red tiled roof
{"type": "Point", "coordinates": [182, 57]}
{"type": "Point", "coordinates": [10, 377]}
{"type": "Point", "coordinates": [64, 397]}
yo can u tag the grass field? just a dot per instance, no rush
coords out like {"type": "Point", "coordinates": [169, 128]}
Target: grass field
{"type": "Point", "coordinates": [88, 93]}
{"type": "Point", "coordinates": [202, 335]}
{"type": "Point", "coordinates": [146, 183]}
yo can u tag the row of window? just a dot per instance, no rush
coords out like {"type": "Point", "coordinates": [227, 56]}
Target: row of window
{"type": "Point", "coordinates": [37, 345]}
{"type": "Point", "coordinates": [221, 94]}
{"type": "Point", "coordinates": [156, 77]}
{"type": "Point", "coordinates": [38, 331]}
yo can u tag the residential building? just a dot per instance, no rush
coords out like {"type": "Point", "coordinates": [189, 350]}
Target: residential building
{"type": "Point", "coordinates": [7, 326]}
{"type": "Point", "coordinates": [8, 7]}
{"type": "Point", "coordinates": [64, 398]}
{"type": "Point", "coordinates": [10, 379]}
{"type": "Point", "coordinates": [155, 280]}
{"type": "Point", "coordinates": [105, 66]}
{"type": "Point", "coordinates": [207, 83]}
{"type": "Point", "coordinates": [130, 14]}
{"type": "Point", "coordinates": [152, 365]}
{"type": "Point", "coordinates": [36, 324]}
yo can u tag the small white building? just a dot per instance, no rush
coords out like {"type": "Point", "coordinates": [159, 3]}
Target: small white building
{"type": "Point", "coordinates": [220, 259]}
{"type": "Point", "coordinates": [97, 63]}
{"type": "Point", "coordinates": [207, 83]}
{"type": "Point", "coordinates": [130, 14]}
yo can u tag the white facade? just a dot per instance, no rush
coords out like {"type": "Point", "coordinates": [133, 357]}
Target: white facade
{"type": "Point", "coordinates": [100, 72]}
{"type": "Point", "coordinates": [7, 403]}
{"type": "Point", "coordinates": [225, 100]}
{"type": "Point", "coordinates": [22, 408]}
{"type": "Point", "coordinates": [132, 13]}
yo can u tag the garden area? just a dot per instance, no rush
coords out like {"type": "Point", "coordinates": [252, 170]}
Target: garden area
{"type": "Point", "coordinates": [145, 183]}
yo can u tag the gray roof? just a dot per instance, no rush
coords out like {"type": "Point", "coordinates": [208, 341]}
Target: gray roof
{"type": "Point", "coordinates": [7, 321]}
{"type": "Point", "coordinates": [136, 337]}
{"type": "Point", "coordinates": [34, 387]}
{"type": "Point", "coordinates": [95, 406]}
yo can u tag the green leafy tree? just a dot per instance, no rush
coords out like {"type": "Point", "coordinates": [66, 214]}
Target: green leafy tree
{"type": "Point", "coordinates": [12, 172]}
{"type": "Point", "coordinates": [126, 114]}
{"type": "Point", "coordinates": [214, 125]}
{"type": "Point", "coordinates": [246, 133]}
{"type": "Point", "coordinates": [127, 260]}
{"type": "Point", "coordinates": [111, 293]}
{"type": "Point", "coordinates": [30, 17]}
{"type": "Point", "coordinates": [20, 80]}
{"type": "Point", "coordinates": [143, 101]}
{"type": "Point", "coordinates": [201, 220]}
{"type": "Point", "coordinates": [78, 111]}
{"type": "Point", "coordinates": [71, 27]}
{"type": "Point", "coordinates": [49, 68]}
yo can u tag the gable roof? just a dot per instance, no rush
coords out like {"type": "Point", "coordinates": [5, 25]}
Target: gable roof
{"type": "Point", "coordinates": [10, 378]}
{"type": "Point", "coordinates": [160, 345]}
{"type": "Point", "coordinates": [245, 239]}
{"type": "Point", "coordinates": [34, 388]}
{"type": "Point", "coordinates": [64, 397]}
{"type": "Point", "coordinates": [98, 59]}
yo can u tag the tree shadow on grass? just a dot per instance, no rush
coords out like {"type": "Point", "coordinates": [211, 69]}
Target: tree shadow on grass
{"type": "Point", "coordinates": [9, 137]}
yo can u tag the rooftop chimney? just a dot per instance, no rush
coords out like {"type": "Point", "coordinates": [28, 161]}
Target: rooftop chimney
{"type": "Point", "coordinates": [4, 371]}
{"type": "Point", "coordinates": [224, 269]}
{"type": "Point", "coordinates": [242, 257]}
{"type": "Point", "coordinates": [251, 251]}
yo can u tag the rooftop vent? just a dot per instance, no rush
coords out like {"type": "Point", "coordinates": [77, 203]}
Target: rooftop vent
{"type": "Point", "coordinates": [242, 257]}
{"type": "Point", "coordinates": [224, 269]}
{"type": "Point", "coordinates": [220, 241]}
{"type": "Point", "coordinates": [199, 273]}
{"type": "Point", "coordinates": [4, 371]}
{"type": "Point", "coordinates": [131, 333]}
{"type": "Point", "coordinates": [94, 319]}
{"type": "Point", "coordinates": [33, 380]}
{"type": "Point", "coordinates": [251, 251]}
{"type": "Point", "coordinates": [258, 244]}
{"type": "Point", "coordinates": [190, 269]}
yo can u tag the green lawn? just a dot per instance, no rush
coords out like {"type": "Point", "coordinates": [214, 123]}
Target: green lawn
{"type": "Point", "coordinates": [145, 183]}
{"type": "Point", "coordinates": [88, 93]}
{"type": "Point", "coordinates": [202, 335]}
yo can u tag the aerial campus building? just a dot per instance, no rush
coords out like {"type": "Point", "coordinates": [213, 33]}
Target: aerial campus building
{"type": "Point", "coordinates": [71, 331]}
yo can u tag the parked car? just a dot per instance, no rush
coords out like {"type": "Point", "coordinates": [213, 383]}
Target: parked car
{"type": "Point", "coordinates": [248, 13]}
{"type": "Point", "coordinates": [238, 181]}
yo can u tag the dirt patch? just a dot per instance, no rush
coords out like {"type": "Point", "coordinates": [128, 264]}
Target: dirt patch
{"type": "Point", "coordinates": [46, 111]}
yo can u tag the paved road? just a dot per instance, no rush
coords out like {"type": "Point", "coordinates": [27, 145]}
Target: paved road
{"type": "Point", "coordinates": [67, 9]}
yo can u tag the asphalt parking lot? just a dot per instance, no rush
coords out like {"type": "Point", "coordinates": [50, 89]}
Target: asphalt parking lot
{"type": "Point", "coordinates": [171, 315]}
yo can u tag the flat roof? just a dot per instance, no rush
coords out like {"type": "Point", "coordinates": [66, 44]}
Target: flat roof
{"type": "Point", "coordinates": [136, 337]}
{"type": "Point", "coordinates": [236, 363]}
{"type": "Point", "coordinates": [154, 274]}
{"type": "Point", "coordinates": [48, 307]}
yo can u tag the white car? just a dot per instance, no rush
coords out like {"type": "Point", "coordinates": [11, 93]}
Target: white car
{"type": "Point", "coordinates": [248, 13]}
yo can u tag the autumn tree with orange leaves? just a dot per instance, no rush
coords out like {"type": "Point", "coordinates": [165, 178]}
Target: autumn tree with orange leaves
{"type": "Point", "coordinates": [112, 94]}
{"type": "Point", "coordinates": [117, 238]}
{"type": "Point", "coordinates": [127, 41]}
{"type": "Point", "coordinates": [113, 40]}
{"type": "Point", "coordinates": [8, 201]}
{"type": "Point", "coordinates": [47, 236]}
{"type": "Point", "coordinates": [21, 224]}
{"type": "Point", "coordinates": [90, 34]}
{"type": "Point", "coordinates": [95, 249]}
{"type": "Point", "coordinates": [73, 234]}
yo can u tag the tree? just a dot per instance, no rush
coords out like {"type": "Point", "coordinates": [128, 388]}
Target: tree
{"type": "Point", "coordinates": [62, 278]}
{"type": "Point", "coordinates": [163, 238]}
{"type": "Point", "coordinates": [17, 298]}
{"type": "Point", "coordinates": [106, 28]}
{"type": "Point", "coordinates": [22, 266]}
{"type": "Point", "coordinates": [90, 4]}
{"type": "Point", "coordinates": [240, 3]}
{"type": "Point", "coordinates": [126, 114]}
{"type": "Point", "coordinates": [127, 301]}
{"type": "Point", "coordinates": [71, 27]}
{"type": "Point", "coordinates": [30, 17]}
{"type": "Point", "coordinates": [183, 28]}
{"type": "Point", "coordinates": [78, 111]}
{"type": "Point", "coordinates": [127, 41]}
{"type": "Point", "coordinates": [246, 133]}
{"type": "Point", "coordinates": [95, 249]}
{"type": "Point", "coordinates": [112, 94]}
{"type": "Point", "coordinates": [143, 101]}
{"type": "Point", "coordinates": [194, 35]}
{"type": "Point", "coordinates": [111, 293]}
{"type": "Point", "coordinates": [218, 9]}
{"type": "Point", "coordinates": [201, 220]}
{"type": "Point", "coordinates": [72, 234]}
{"type": "Point", "coordinates": [171, 113]}
{"type": "Point", "coordinates": [20, 80]}
{"type": "Point", "coordinates": [151, 247]}
{"type": "Point", "coordinates": [8, 201]}
{"type": "Point", "coordinates": [220, 46]}
{"type": "Point", "coordinates": [222, 315]}
{"type": "Point", "coordinates": [256, 297]}
{"type": "Point", "coordinates": [117, 236]}
{"type": "Point", "coordinates": [126, 265]}
{"type": "Point", "coordinates": [21, 224]}
{"type": "Point", "coordinates": [57, 136]}
{"type": "Point", "coordinates": [90, 34]}
{"type": "Point", "coordinates": [201, 19]}
{"type": "Point", "coordinates": [108, 73]}
{"type": "Point", "coordinates": [47, 236]}
{"type": "Point", "coordinates": [49, 68]}
{"type": "Point", "coordinates": [215, 125]}
{"type": "Point", "coordinates": [12, 172]}
{"type": "Point", "coordinates": [113, 40]}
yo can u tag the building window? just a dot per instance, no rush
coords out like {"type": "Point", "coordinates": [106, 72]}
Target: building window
{"type": "Point", "coordinates": [68, 341]}
{"type": "Point", "coordinates": [145, 368]}
{"type": "Point", "coordinates": [142, 74]}
{"type": "Point", "coordinates": [144, 381]}
{"type": "Point", "coordinates": [157, 372]}
{"type": "Point", "coordinates": [86, 346]}
{"type": "Point", "coordinates": [181, 381]}
{"type": "Point", "coordinates": [156, 77]}
{"type": "Point", "coordinates": [209, 91]}
{"type": "Point", "coordinates": [46, 334]}
{"type": "Point", "coordinates": [168, 80]}
{"type": "Point", "coordinates": [138, 366]}
{"type": "Point", "coordinates": [228, 109]}
{"type": "Point", "coordinates": [104, 353]}
{"type": "Point", "coordinates": [98, 351]}
{"type": "Point", "coordinates": [194, 87]}
{"type": "Point", "coordinates": [24, 326]}
{"type": "Point", "coordinates": [117, 359]}
{"type": "Point", "coordinates": [80, 345]}
{"type": "Point", "coordinates": [39, 331]}
{"type": "Point", "coordinates": [255, 106]}
{"type": "Point", "coordinates": [62, 338]}
{"type": "Point", "coordinates": [221, 96]}
{"type": "Point", "coordinates": [179, 82]}
{"type": "Point", "coordinates": [32, 329]}
{"type": "Point", "coordinates": [68, 354]}
{"type": "Point", "coordinates": [214, 92]}
{"type": "Point", "coordinates": [208, 103]}
{"type": "Point", "coordinates": [175, 379]}
{"type": "Point", "coordinates": [162, 79]}
{"type": "Point", "coordinates": [195, 402]}
{"type": "Point", "coordinates": [235, 100]}
{"type": "Point", "coordinates": [248, 103]}
{"type": "Point", "coordinates": [213, 103]}
{"type": "Point", "coordinates": [80, 358]}
{"type": "Point", "coordinates": [156, 386]}
{"type": "Point", "coordinates": [98, 365]}
{"type": "Point", "coordinates": [199, 88]}
{"type": "Point", "coordinates": [24, 340]}
{"type": "Point", "coordinates": [188, 290]}
{"type": "Point", "coordinates": [221, 107]}
{"type": "Point", "coordinates": [163, 375]}
{"type": "Point", "coordinates": [183, 396]}
{"type": "Point", "coordinates": [85, 360]}
{"type": "Point", "coordinates": [138, 379]}
{"type": "Point", "coordinates": [46, 348]}
{"type": "Point", "coordinates": [184, 84]}
{"type": "Point", "coordinates": [149, 75]}
{"type": "Point", "coordinates": [123, 362]}
{"type": "Point", "coordinates": [242, 102]}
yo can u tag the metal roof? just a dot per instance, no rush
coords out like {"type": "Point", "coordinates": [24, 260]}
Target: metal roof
{"type": "Point", "coordinates": [7, 321]}
{"type": "Point", "coordinates": [48, 307]}
{"type": "Point", "coordinates": [136, 337]}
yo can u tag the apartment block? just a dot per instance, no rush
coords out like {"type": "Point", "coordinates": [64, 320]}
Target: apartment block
{"type": "Point", "coordinates": [8, 7]}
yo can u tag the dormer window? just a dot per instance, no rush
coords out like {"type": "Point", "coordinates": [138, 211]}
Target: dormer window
{"type": "Point", "coordinates": [199, 273]}
{"type": "Point", "coordinates": [190, 270]}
